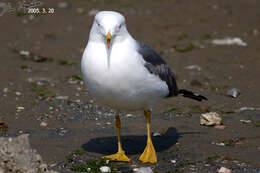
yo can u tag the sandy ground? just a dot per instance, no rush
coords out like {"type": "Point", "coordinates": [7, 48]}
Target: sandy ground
{"type": "Point", "coordinates": [182, 33]}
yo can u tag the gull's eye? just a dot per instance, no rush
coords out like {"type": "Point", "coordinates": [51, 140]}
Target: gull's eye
{"type": "Point", "coordinates": [120, 26]}
{"type": "Point", "coordinates": [98, 24]}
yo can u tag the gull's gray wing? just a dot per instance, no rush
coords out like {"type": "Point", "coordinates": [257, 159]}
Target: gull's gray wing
{"type": "Point", "coordinates": [157, 66]}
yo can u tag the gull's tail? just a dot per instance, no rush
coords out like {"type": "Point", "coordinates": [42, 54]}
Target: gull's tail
{"type": "Point", "coordinates": [189, 94]}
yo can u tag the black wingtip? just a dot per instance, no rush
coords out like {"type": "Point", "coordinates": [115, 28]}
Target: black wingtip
{"type": "Point", "coordinates": [189, 94]}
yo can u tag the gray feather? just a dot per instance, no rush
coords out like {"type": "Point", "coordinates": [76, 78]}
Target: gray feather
{"type": "Point", "coordinates": [156, 65]}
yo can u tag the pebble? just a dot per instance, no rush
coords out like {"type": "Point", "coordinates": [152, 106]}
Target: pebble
{"type": "Point", "coordinates": [246, 121]}
{"type": "Point", "coordinates": [77, 101]}
{"type": "Point", "coordinates": [129, 115]}
{"type": "Point", "coordinates": [210, 119]}
{"type": "Point", "coordinates": [63, 5]}
{"type": "Point", "coordinates": [173, 161]}
{"type": "Point", "coordinates": [220, 144]}
{"type": "Point", "coordinates": [224, 170]}
{"type": "Point", "coordinates": [204, 108]}
{"type": "Point", "coordinates": [80, 10]}
{"type": "Point", "coordinates": [215, 7]}
{"type": "Point", "coordinates": [247, 109]}
{"type": "Point", "coordinates": [62, 97]}
{"type": "Point", "coordinates": [229, 41]}
{"type": "Point", "coordinates": [5, 90]}
{"type": "Point", "coordinates": [195, 83]}
{"type": "Point", "coordinates": [24, 53]}
{"type": "Point", "coordinates": [255, 32]}
{"type": "Point", "coordinates": [194, 67]}
{"type": "Point", "coordinates": [105, 169]}
{"type": "Point", "coordinates": [31, 17]}
{"type": "Point", "coordinates": [18, 93]}
{"type": "Point", "coordinates": [25, 21]}
{"type": "Point", "coordinates": [19, 108]}
{"type": "Point", "coordinates": [93, 12]}
{"type": "Point", "coordinates": [156, 134]}
{"type": "Point", "coordinates": [40, 80]}
{"type": "Point", "coordinates": [221, 127]}
{"type": "Point", "coordinates": [43, 124]}
{"type": "Point", "coordinates": [143, 170]}
{"type": "Point", "coordinates": [233, 92]}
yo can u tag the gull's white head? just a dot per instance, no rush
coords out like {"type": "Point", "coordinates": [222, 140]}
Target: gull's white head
{"type": "Point", "coordinates": [108, 27]}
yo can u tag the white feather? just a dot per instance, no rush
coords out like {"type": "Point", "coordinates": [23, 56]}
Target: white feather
{"type": "Point", "coordinates": [117, 77]}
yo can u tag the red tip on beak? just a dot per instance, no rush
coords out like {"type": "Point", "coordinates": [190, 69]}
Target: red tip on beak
{"type": "Point", "coordinates": [108, 43]}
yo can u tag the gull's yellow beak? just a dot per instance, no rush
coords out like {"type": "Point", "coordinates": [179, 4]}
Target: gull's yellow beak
{"type": "Point", "coordinates": [108, 38]}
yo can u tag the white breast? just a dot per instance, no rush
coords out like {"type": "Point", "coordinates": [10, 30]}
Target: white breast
{"type": "Point", "coordinates": [120, 81]}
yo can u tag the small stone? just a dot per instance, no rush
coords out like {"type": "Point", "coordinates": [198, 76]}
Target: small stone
{"type": "Point", "coordinates": [143, 170]}
{"type": "Point", "coordinates": [221, 127]}
{"type": "Point", "coordinates": [193, 67]}
{"type": "Point", "coordinates": [63, 5]}
{"type": "Point", "coordinates": [129, 115]}
{"type": "Point", "coordinates": [5, 90]}
{"type": "Point", "coordinates": [80, 10]}
{"type": "Point", "coordinates": [247, 109]}
{"type": "Point", "coordinates": [38, 58]}
{"type": "Point", "coordinates": [210, 119]}
{"type": "Point", "coordinates": [20, 108]}
{"type": "Point", "coordinates": [204, 108]}
{"type": "Point", "coordinates": [62, 97]}
{"type": "Point", "coordinates": [156, 134]}
{"type": "Point", "coordinates": [25, 21]}
{"type": "Point", "coordinates": [24, 53]}
{"type": "Point", "coordinates": [224, 170]}
{"type": "Point", "coordinates": [93, 12]}
{"type": "Point", "coordinates": [18, 93]}
{"type": "Point", "coordinates": [195, 83]}
{"type": "Point", "coordinates": [229, 41]}
{"type": "Point", "coordinates": [105, 169]}
{"type": "Point", "coordinates": [233, 92]}
{"type": "Point", "coordinates": [220, 144]}
{"type": "Point", "coordinates": [215, 7]}
{"type": "Point", "coordinates": [43, 124]}
{"type": "Point", "coordinates": [31, 17]}
{"type": "Point", "coordinates": [246, 121]}
{"type": "Point", "coordinates": [255, 32]}
{"type": "Point", "coordinates": [173, 161]}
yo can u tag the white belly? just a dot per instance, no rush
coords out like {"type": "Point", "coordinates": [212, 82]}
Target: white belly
{"type": "Point", "coordinates": [123, 82]}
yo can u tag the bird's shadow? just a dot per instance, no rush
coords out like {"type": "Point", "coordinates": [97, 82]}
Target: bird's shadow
{"type": "Point", "coordinates": [132, 144]}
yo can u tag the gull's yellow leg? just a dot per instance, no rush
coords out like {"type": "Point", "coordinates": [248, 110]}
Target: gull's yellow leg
{"type": "Point", "coordinates": [120, 155]}
{"type": "Point", "coordinates": [149, 154]}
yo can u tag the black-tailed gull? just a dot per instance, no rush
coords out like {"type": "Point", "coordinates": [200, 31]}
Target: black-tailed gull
{"type": "Point", "coordinates": [126, 75]}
